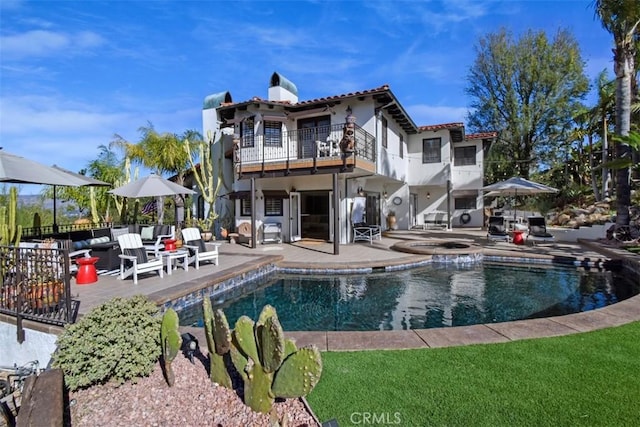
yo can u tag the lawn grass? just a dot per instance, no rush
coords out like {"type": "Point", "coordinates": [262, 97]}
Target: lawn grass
{"type": "Point", "coordinates": [589, 379]}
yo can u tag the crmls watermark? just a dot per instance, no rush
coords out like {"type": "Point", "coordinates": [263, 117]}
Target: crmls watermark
{"type": "Point", "coordinates": [375, 418]}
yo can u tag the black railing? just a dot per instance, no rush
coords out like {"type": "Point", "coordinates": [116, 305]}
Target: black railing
{"type": "Point", "coordinates": [36, 284]}
{"type": "Point", "coordinates": [309, 143]}
{"type": "Point", "coordinates": [49, 230]}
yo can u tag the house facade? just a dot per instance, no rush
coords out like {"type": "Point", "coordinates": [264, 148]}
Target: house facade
{"type": "Point", "coordinates": [292, 169]}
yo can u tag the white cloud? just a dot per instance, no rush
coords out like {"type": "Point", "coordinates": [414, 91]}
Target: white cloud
{"type": "Point", "coordinates": [53, 130]}
{"type": "Point", "coordinates": [44, 43]}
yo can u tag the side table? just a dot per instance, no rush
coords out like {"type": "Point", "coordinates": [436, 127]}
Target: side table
{"type": "Point", "coordinates": [518, 237]}
{"type": "Point", "coordinates": [87, 272]}
{"type": "Point", "coordinates": [171, 256]}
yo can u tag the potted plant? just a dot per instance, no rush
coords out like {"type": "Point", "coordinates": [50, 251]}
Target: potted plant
{"type": "Point", "coordinates": [205, 229]}
{"type": "Point", "coordinates": [391, 220]}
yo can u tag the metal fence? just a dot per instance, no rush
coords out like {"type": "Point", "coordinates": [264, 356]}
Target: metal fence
{"type": "Point", "coordinates": [36, 284]}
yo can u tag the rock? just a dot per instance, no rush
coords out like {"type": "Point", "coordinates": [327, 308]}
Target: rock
{"type": "Point", "coordinates": [563, 219]}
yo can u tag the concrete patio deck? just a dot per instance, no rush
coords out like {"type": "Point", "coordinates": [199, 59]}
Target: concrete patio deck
{"type": "Point", "coordinates": [236, 259]}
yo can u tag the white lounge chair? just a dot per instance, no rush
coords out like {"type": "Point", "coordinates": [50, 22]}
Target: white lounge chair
{"type": "Point", "coordinates": [198, 250]}
{"type": "Point", "coordinates": [134, 259]}
{"type": "Point", "coordinates": [497, 229]}
{"type": "Point", "coordinates": [538, 230]}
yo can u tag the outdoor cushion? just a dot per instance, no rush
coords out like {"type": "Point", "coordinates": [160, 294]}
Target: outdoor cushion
{"type": "Point", "coordinates": [97, 240]}
{"type": "Point", "coordinates": [199, 244]}
{"type": "Point", "coordinates": [139, 253]}
{"type": "Point", "coordinates": [80, 244]}
{"type": "Point", "coordinates": [147, 233]}
{"type": "Point", "coordinates": [115, 232]}
{"type": "Point", "coordinates": [102, 232]}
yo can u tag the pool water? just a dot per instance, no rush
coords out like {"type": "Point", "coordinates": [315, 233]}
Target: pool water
{"type": "Point", "coordinates": [429, 297]}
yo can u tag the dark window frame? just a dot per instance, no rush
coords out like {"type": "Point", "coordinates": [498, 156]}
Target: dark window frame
{"type": "Point", "coordinates": [401, 145]}
{"type": "Point", "coordinates": [245, 207]}
{"type": "Point", "coordinates": [277, 209]}
{"type": "Point", "coordinates": [385, 131]}
{"type": "Point", "coordinates": [465, 202]}
{"type": "Point", "coordinates": [431, 154]}
{"type": "Point", "coordinates": [247, 132]}
{"type": "Point", "coordinates": [461, 156]}
{"type": "Point", "coordinates": [272, 131]}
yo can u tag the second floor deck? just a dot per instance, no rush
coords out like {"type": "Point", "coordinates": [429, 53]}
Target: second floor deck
{"type": "Point", "coordinates": [304, 151]}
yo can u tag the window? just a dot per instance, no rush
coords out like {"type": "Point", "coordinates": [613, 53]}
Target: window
{"type": "Point", "coordinates": [385, 131]}
{"type": "Point", "coordinates": [431, 150]}
{"type": "Point", "coordinates": [401, 146]}
{"type": "Point", "coordinates": [273, 134]}
{"type": "Point", "coordinates": [464, 156]}
{"type": "Point", "coordinates": [272, 206]}
{"type": "Point", "coordinates": [246, 132]}
{"type": "Point", "coordinates": [466, 202]}
{"type": "Point", "coordinates": [245, 207]}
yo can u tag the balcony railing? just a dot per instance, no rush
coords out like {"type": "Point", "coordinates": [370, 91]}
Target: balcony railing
{"type": "Point", "coordinates": [302, 144]}
{"type": "Point", "coordinates": [36, 285]}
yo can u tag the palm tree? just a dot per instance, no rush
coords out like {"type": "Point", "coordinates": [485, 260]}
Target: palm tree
{"type": "Point", "coordinates": [621, 18]}
{"type": "Point", "coordinates": [162, 153]}
{"type": "Point", "coordinates": [600, 117]}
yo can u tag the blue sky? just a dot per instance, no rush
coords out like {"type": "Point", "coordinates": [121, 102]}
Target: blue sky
{"type": "Point", "coordinates": [73, 74]}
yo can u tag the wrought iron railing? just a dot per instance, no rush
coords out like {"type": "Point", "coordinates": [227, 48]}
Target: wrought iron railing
{"type": "Point", "coordinates": [36, 284]}
{"type": "Point", "coordinates": [309, 143]}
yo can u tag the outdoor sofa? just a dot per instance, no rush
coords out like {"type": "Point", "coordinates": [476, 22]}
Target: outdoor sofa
{"type": "Point", "coordinates": [103, 242]}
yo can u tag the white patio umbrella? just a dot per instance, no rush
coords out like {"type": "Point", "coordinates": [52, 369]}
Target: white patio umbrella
{"type": "Point", "coordinates": [517, 186]}
{"type": "Point", "coordinates": [150, 186]}
{"type": "Point", "coordinates": [20, 170]}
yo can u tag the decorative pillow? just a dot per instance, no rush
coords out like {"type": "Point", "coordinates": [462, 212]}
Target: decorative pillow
{"type": "Point", "coordinates": [147, 233]}
{"type": "Point", "coordinates": [199, 243]}
{"type": "Point", "coordinates": [139, 253]}
{"type": "Point", "coordinates": [115, 232]}
{"type": "Point", "coordinates": [78, 245]}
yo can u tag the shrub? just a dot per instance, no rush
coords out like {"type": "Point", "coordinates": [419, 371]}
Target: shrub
{"type": "Point", "coordinates": [115, 342]}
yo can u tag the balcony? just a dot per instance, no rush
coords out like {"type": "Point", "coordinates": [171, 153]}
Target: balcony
{"type": "Point", "coordinates": [304, 151]}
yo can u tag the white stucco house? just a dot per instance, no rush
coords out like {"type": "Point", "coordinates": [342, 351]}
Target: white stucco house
{"type": "Point", "coordinates": [297, 166]}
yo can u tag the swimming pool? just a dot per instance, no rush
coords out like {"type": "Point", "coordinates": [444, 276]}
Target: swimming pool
{"type": "Point", "coordinates": [426, 297]}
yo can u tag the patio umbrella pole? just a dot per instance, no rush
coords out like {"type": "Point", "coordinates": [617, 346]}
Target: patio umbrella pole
{"type": "Point", "coordinates": [55, 223]}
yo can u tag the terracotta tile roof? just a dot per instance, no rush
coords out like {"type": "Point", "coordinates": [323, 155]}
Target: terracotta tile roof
{"type": "Point", "coordinates": [382, 88]}
{"type": "Point", "coordinates": [482, 135]}
{"type": "Point", "coordinates": [440, 126]}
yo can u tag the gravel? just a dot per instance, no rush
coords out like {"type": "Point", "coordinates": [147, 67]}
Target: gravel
{"type": "Point", "coordinates": [193, 401]}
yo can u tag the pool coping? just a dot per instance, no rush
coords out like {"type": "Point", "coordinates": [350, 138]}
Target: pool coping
{"type": "Point", "coordinates": [618, 314]}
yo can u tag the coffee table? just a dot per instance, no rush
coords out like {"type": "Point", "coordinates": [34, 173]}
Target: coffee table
{"type": "Point", "coordinates": [172, 256]}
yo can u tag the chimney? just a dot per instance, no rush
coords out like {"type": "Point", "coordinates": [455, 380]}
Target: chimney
{"type": "Point", "coordinates": [281, 89]}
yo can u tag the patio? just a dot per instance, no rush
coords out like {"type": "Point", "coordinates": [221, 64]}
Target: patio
{"type": "Point", "coordinates": [236, 259]}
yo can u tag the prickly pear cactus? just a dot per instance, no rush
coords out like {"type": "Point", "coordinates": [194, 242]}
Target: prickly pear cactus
{"type": "Point", "coordinates": [271, 344]}
{"type": "Point", "coordinates": [262, 355]}
{"type": "Point", "coordinates": [298, 374]}
{"type": "Point", "coordinates": [218, 335]}
{"type": "Point", "coordinates": [257, 388]}
{"type": "Point", "coordinates": [171, 341]}
{"type": "Point", "coordinates": [244, 337]}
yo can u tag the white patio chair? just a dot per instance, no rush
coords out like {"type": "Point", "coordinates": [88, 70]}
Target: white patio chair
{"type": "Point", "coordinates": [134, 256]}
{"type": "Point", "coordinates": [198, 250]}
